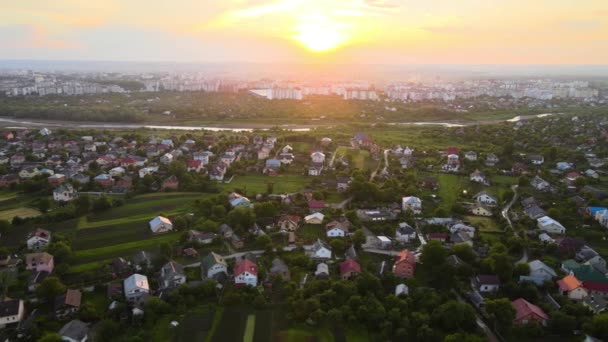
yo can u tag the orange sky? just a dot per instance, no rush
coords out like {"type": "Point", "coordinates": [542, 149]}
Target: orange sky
{"type": "Point", "coordinates": [317, 31]}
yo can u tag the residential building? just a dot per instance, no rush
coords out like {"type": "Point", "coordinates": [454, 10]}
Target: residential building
{"type": "Point", "coordinates": [136, 286]}
{"type": "Point", "coordinates": [172, 275]}
{"type": "Point", "coordinates": [412, 203]}
{"type": "Point", "coordinates": [160, 225]}
{"type": "Point", "coordinates": [572, 287]}
{"type": "Point", "coordinates": [213, 266]}
{"type": "Point", "coordinates": [38, 239]}
{"type": "Point", "coordinates": [349, 269]}
{"type": "Point", "coordinates": [12, 311]}
{"type": "Point", "coordinates": [405, 264]}
{"type": "Point", "coordinates": [526, 313]}
{"type": "Point", "coordinates": [39, 262]}
{"type": "Point", "coordinates": [486, 283]}
{"type": "Point", "coordinates": [246, 273]}
{"type": "Point", "coordinates": [550, 225]}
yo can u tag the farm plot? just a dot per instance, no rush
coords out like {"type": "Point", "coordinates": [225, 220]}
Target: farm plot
{"type": "Point", "coordinates": [21, 212]}
{"type": "Point", "coordinates": [253, 184]}
{"type": "Point", "coordinates": [195, 327]}
{"type": "Point", "coordinates": [232, 325]}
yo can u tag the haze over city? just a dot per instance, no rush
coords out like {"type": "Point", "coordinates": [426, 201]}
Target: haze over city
{"type": "Point", "coordinates": [308, 31]}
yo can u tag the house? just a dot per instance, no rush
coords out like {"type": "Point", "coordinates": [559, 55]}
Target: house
{"type": "Point", "coordinates": [171, 183]}
{"type": "Point", "coordinates": [571, 286]}
{"type": "Point", "coordinates": [470, 155]}
{"type": "Point", "coordinates": [203, 238]}
{"type": "Point", "coordinates": [550, 225]}
{"type": "Point", "coordinates": [540, 184]}
{"type": "Point", "coordinates": [225, 230]}
{"type": "Point", "coordinates": [17, 159]}
{"type": "Point", "coordinates": [483, 197]}
{"type": "Point", "coordinates": [405, 264]}
{"type": "Point", "coordinates": [412, 203]}
{"type": "Point", "coordinates": [322, 270]}
{"type": "Point", "coordinates": [545, 238]}
{"type": "Point", "coordinates": [38, 239]}
{"type": "Point", "coordinates": [441, 237]}
{"type": "Point", "coordinates": [534, 212]}
{"type": "Point", "coordinates": [601, 216]}
{"type": "Point", "coordinates": [236, 241]}
{"type": "Point", "coordinates": [337, 228]}
{"type": "Point", "coordinates": [166, 158]}
{"type": "Point", "coordinates": [117, 171]}
{"type": "Point", "coordinates": [317, 157]}
{"type": "Point", "coordinates": [486, 283]}
{"type": "Point", "coordinates": [213, 266]}
{"type": "Point", "coordinates": [315, 206]}
{"type": "Point", "coordinates": [64, 193]}
{"type": "Point", "coordinates": [315, 169]}
{"type": "Point", "coordinates": [595, 303]}
{"type": "Point", "coordinates": [289, 223]}
{"type": "Point", "coordinates": [563, 166]}
{"type": "Point", "coordinates": [56, 179]}
{"type": "Point", "coordinates": [172, 275]}
{"type": "Point", "coordinates": [11, 311]}
{"type": "Point", "coordinates": [160, 225]}
{"type": "Point", "coordinates": [105, 180]}
{"type": "Point", "coordinates": [29, 172]}
{"type": "Point", "coordinates": [349, 269]}
{"type": "Point", "coordinates": [461, 237]}
{"type": "Point", "coordinates": [320, 250]}
{"type": "Point", "coordinates": [315, 218]}
{"type": "Point", "coordinates": [279, 269]}
{"type": "Point", "coordinates": [361, 140]}
{"type": "Point", "coordinates": [239, 201]}
{"type": "Point", "coordinates": [246, 273]}
{"type": "Point", "coordinates": [491, 159]}
{"type": "Point", "coordinates": [195, 165]}
{"type": "Point", "coordinates": [120, 267]}
{"type": "Point", "coordinates": [429, 183]}
{"type": "Point", "coordinates": [142, 261]}
{"type": "Point", "coordinates": [401, 289]}
{"type": "Point", "coordinates": [39, 262]}
{"type": "Point", "coordinates": [540, 270]}
{"type": "Point", "coordinates": [74, 331]}
{"type": "Point", "coordinates": [68, 303]}
{"type": "Point", "coordinates": [80, 178]}
{"type": "Point", "coordinates": [405, 233]}
{"type": "Point", "coordinates": [342, 183]}
{"type": "Point", "coordinates": [461, 227]}
{"type": "Point", "coordinates": [536, 159]}
{"type": "Point", "coordinates": [8, 180]}
{"type": "Point", "coordinates": [125, 182]}
{"type": "Point", "coordinates": [526, 312]}
{"type": "Point", "coordinates": [481, 210]}
{"type": "Point", "coordinates": [136, 286]}
{"type": "Point", "coordinates": [478, 177]}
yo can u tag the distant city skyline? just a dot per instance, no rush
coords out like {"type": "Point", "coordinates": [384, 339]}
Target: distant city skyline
{"type": "Point", "coordinates": [545, 32]}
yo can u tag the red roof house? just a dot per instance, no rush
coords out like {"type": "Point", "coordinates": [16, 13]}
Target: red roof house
{"type": "Point", "coordinates": [405, 264]}
{"type": "Point", "coordinates": [349, 269]}
{"type": "Point", "coordinates": [170, 183]}
{"type": "Point", "coordinates": [526, 312]}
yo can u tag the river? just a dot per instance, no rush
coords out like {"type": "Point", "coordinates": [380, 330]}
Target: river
{"type": "Point", "coordinates": [243, 127]}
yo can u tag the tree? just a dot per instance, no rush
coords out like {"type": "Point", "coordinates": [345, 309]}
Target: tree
{"type": "Point", "coordinates": [462, 337]}
{"type": "Point", "coordinates": [82, 204]}
{"type": "Point", "coordinates": [433, 253]}
{"type": "Point", "coordinates": [338, 246]}
{"type": "Point", "coordinates": [264, 242]}
{"type": "Point", "coordinates": [453, 316]}
{"type": "Point", "coordinates": [523, 181]}
{"type": "Point", "coordinates": [166, 251]}
{"type": "Point", "coordinates": [241, 218]}
{"type": "Point", "coordinates": [218, 211]}
{"type": "Point", "coordinates": [521, 269]}
{"type": "Point", "coordinates": [50, 288]}
{"type": "Point", "coordinates": [43, 204]}
{"type": "Point", "coordinates": [102, 203]}
{"type": "Point", "coordinates": [502, 312]}
{"type": "Point", "coordinates": [265, 209]}
{"type": "Point", "coordinates": [598, 327]}
{"type": "Point", "coordinates": [180, 223]}
{"type": "Point", "coordinates": [60, 250]}
{"type": "Point", "coordinates": [562, 323]}
{"type": "Point", "coordinates": [5, 226]}
{"type": "Point", "coordinates": [464, 252]}
{"type": "Point", "coordinates": [358, 238]}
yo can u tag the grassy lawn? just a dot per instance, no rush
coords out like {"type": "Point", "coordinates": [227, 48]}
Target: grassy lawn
{"type": "Point", "coordinates": [249, 329]}
{"type": "Point", "coordinates": [311, 232]}
{"type": "Point", "coordinates": [450, 187]}
{"type": "Point", "coordinates": [361, 159]}
{"type": "Point", "coordinates": [122, 249]}
{"type": "Point", "coordinates": [197, 324]}
{"type": "Point", "coordinates": [253, 184]}
{"type": "Point", "coordinates": [21, 212]}
{"type": "Point", "coordinates": [485, 224]}
{"type": "Point", "coordinates": [231, 326]}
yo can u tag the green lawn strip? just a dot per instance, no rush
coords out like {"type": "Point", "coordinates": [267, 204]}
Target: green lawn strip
{"type": "Point", "coordinates": [90, 266]}
{"type": "Point", "coordinates": [491, 236]}
{"type": "Point", "coordinates": [163, 331]}
{"type": "Point", "coordinates": [95, 254]}
{"type": "Point", "coordinates": [249, 329]}
{"type": "Point", "coordinates": [450, 187]}
{"type": "Point", "coordinates": [254, 184]}
{"type": "Point", "coordinates": [484, 224]}
{"type": "Point", "coordinates": [311, 232]}
{"type": "Point", "coordinates": [21, 212]}
{"type": "Point", "coordinates": [98, 299]}
{"type": "Point", "coordinates": [357, 335]}
{"type": "Point", "coordinates": [304, 334]}
{"type": "Point", "coordinates": [148, 207]}
{"type": "Point", "coordinates": [217, 318]}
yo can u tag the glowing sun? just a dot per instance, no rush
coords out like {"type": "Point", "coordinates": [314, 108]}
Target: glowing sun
{"type": "Point", "coordinates": [319, 36]}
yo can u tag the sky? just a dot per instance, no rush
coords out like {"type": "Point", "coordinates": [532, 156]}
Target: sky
{"type": "Point", "coordinates": [308, 31]}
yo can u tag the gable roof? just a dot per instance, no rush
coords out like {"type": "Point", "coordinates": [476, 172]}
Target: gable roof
{"type": "Point", "coordinates": [538, 265]}
{"type": "Point", "coordinates": [350, 265]}
{"type": "Point", "coordinates": [246, 265]}
{"type": "Point", "coordinates": [523, 309]}
{"type": "Point", "coordinates": [569, 283]}
{"type": "Point", "coordinates": [75, 330]}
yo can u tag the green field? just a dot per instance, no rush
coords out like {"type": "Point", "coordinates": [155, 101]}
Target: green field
{"type": "Point", "coordinates": [484, 224]}
{"type": "Point", "coordinates": [311, 232]}
{"type": "Point", "coordinates": [253, 184]}
{"type": "Point", "coordinates": [450, 187]}
{"type": "Point", "coordinates": [361, 159]}
{"type": "Point", "coordinates": [21, 212]}
{"type": "Point", "coordinates": [249, 329]}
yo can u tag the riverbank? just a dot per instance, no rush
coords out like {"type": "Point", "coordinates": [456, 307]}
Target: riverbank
{"type": "Point", "coordinates": [10, 123]}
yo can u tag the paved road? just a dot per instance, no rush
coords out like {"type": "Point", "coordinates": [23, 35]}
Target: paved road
{"type": "Point", "coordinates": [342, 204]}
{"type": "Point", "coordinates": [381, 251]}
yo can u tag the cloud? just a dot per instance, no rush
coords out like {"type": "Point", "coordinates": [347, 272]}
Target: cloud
{"type": "Point", "coordinates": [32, 38]}
{"type": "Point", "coordinates": [383, 4]}
{"type": "Point", "coordinates": [583, 25]}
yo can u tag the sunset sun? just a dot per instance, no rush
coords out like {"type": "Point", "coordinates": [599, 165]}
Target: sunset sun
{"type": "Point", "coordinates": [319, 36]}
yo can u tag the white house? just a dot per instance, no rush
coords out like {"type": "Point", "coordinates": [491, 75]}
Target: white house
{"type": "Point", "coordinates": [167, 158]}
{"type": "Point", "coordinates": [160, 224]}
{"type": "Point", "coordinates": [315, 218]}
{"type": "Point", "coordinates": [39, 239]}
{"type": "Point", "coordinates": [411, 203]}
{"type": "Point", "coordinates": [485, 198]}
{"type": "Point", "coordinates": [238, 200]}
{"type": "Point", "coordinates": [337, 229]}
{"type": "Point", "coordinates": [320, 250]}
{"type": "Point", "coordinates": [550, 225]}
{"type": "Point", "coordinates": [64, 193]}
{"type": "Point", "coordinates": [117, 171]}
{"type": "Point", "coordinates": [481, 210]}
{"type": "Point", "coordinates": [539, 183]}
{"type": "Point", "coordinates": [401, 289]}
{"type": "Point", "coordinates": [460, 227]}
{"type": "Point", "coordinates": [213, 265]}
{"type": "Point", "coordinates": [11, 311]}
{"type": "Point", "coordinates": [405, 233]}
{"type": "Point", "coordinates": [539, 269]}
{"type": "Point", "coordinates": [478, 177]}
{"type": "Point", "coordinates": [471, 155]}
{"type": "Point", "coordinates": [317, 157]}
{"type": "Point", "coordinates": [136, 286]}
{"type": "Point", "coordinates": [172, 275]}
{"type": "Point", "coordinates": [246, 273]}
